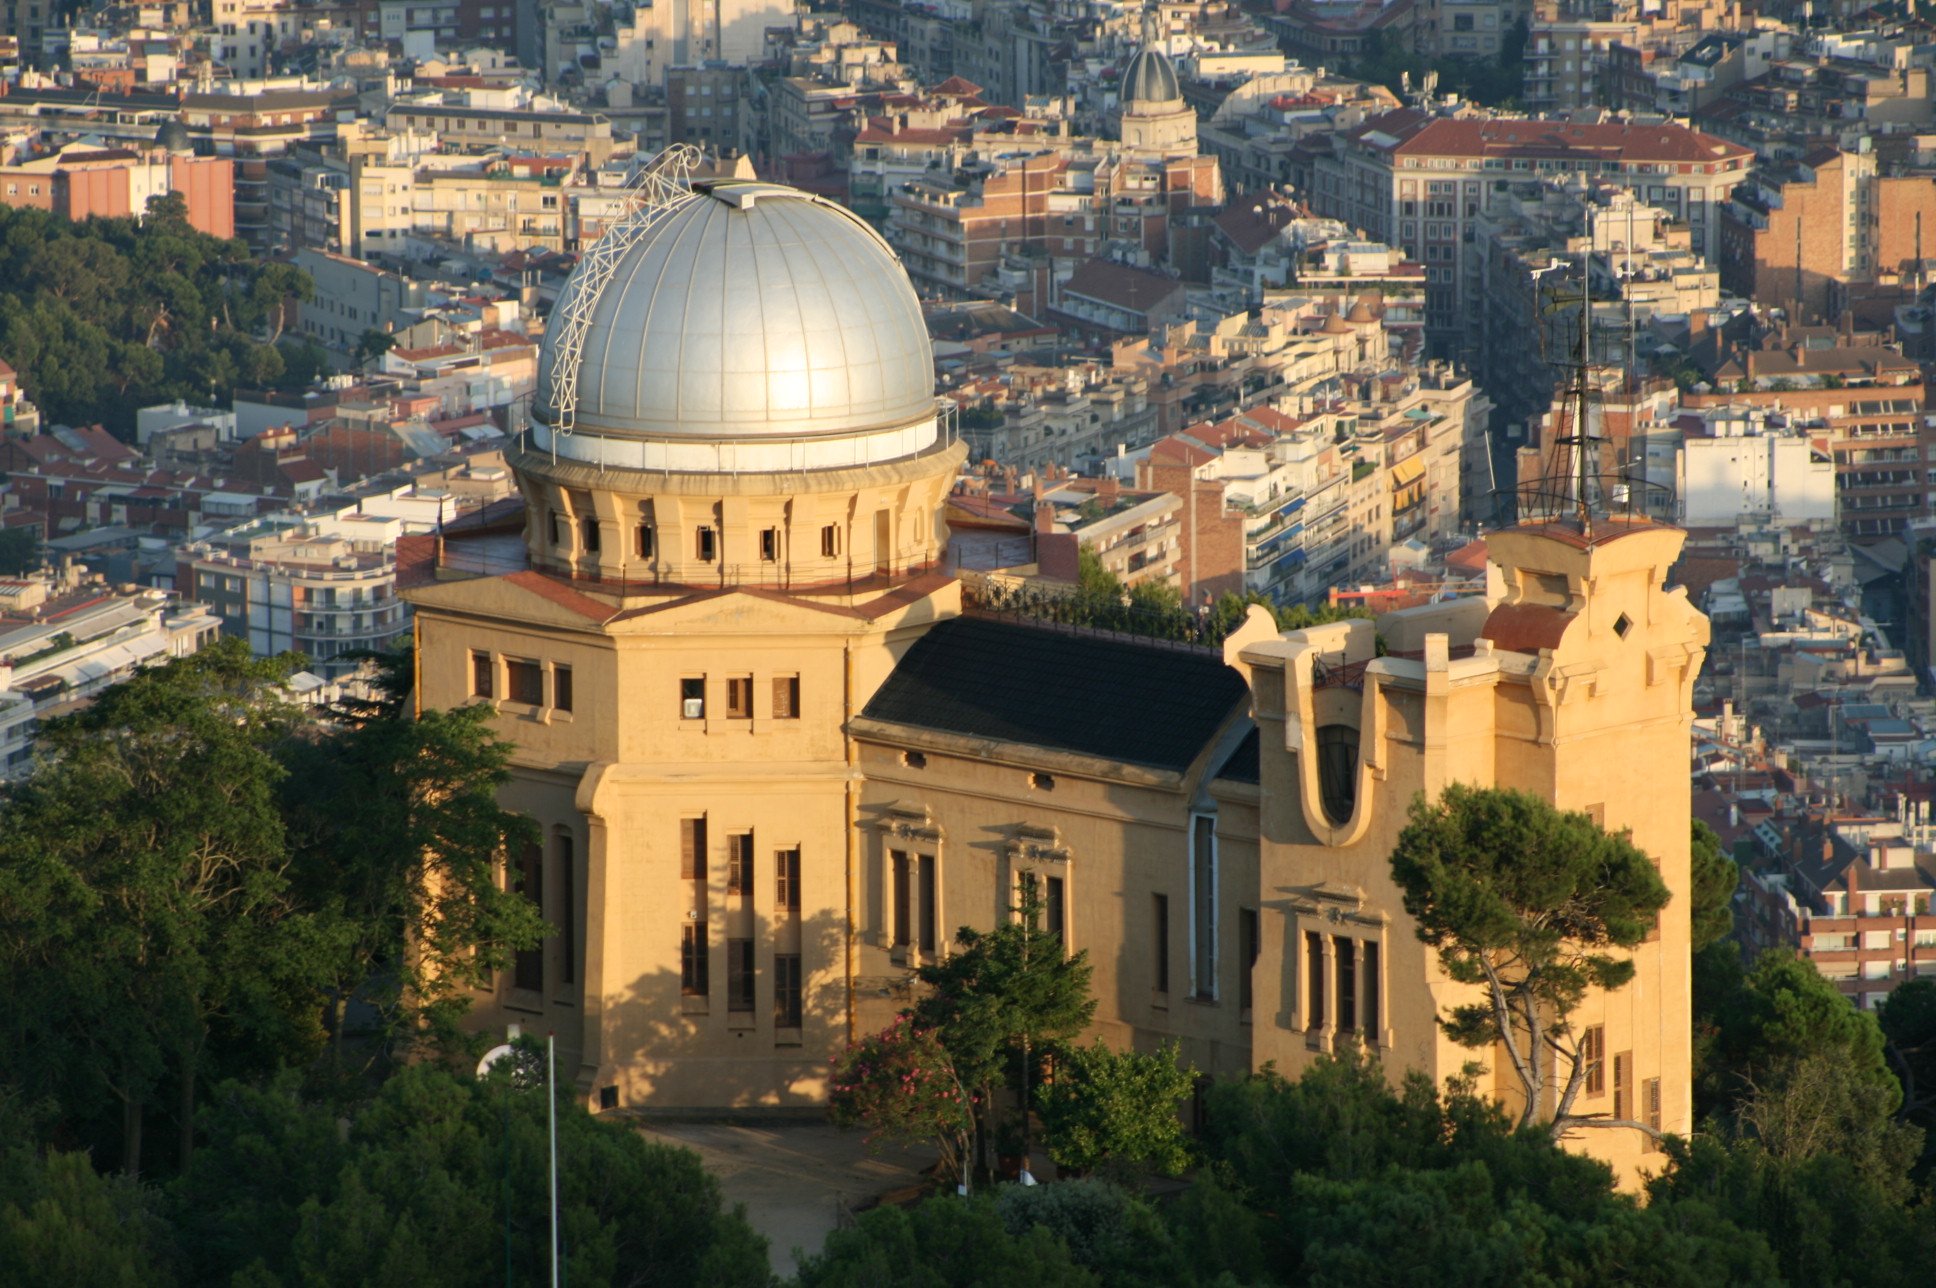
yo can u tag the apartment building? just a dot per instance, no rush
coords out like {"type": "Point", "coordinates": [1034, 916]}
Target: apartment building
{"type": "Point", "coordinates": [1864, 910]}
{"type": "Point", "coordinates": [284, 587]}
{"type": "Point", "coordinates": [1861, 402]}
{"type": "Point", "coordinates": [463, 127]}
{"type": "Point", "coordinates": [1837, 229]}
{"type": "Point", "coordinates": [1421, 181]}
{"type": "Point", "coordinates": [65, 635]}
{"type": "Point", "coordinates": [83, 180]}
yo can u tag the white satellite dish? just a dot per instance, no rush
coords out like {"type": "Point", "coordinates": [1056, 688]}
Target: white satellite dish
{"type": "Point", "coordinates": [491, 1058]}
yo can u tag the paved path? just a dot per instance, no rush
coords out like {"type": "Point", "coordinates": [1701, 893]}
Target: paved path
{"type": "Point", "coordinates": [794, 1177]}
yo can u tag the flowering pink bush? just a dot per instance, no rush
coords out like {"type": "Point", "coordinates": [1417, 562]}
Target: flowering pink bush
{"type": "Point", "coordinates": [900, 1085]}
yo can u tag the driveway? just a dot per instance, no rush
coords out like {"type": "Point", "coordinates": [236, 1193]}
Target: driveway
{"type": "Point", "coordinates": [796, 1179]}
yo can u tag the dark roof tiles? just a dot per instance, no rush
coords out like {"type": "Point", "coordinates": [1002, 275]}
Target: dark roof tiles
{"type": "Point", "coordinates": [1140, 703]}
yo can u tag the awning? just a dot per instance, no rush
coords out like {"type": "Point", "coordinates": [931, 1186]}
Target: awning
{"type": "Point", "coordinates": [1407, 472]}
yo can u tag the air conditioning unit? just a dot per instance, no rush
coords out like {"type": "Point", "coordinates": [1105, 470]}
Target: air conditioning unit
{"type": "Point", "coordinates": [695, 708]}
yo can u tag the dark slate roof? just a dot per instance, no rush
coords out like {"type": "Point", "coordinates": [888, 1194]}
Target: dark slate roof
{"type": "Point", "coordinates": [1086, 693]}
{"type": "Point", "coordinates": [1242, 766]}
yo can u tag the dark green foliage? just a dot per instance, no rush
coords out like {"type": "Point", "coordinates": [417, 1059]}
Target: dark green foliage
{"type": "Point", "coordinates": [1495, 82]}
{"type": "Point", "coordinates": [1909, 1029]}
{"type": "Point", "coordinates": [150, 836]}
{"type": "Point", "coordinates": [942, 1243]}
{"type": "Point", "coordinates": [63, 1223]}
{"type": "Point", "coordinates": [1151, 610]}
{"type": "Point", "coordinates": [396, 831]}
{"type": "Point", "coordinates": [1527, 901]}
{"type": "Point", "coordinates": [1336, 1179]}
{"type": "Point", "coordinates": [1783, 1012]}
{"type": "Point", "coordinates": [1829, 1220]}
{"type": "Point", "coordinates": [1713, 877]}
{"type": "Point", "coordinates": [415, 1193]}
{"type": "Point", "coordinates": [1003, 999]}
{"type": "Point", "coordinates": [19, 551]}
{"type": "Point", "coordinates": [1117, 1109]}
{"type": "Point", "coordinates": [106, 316]}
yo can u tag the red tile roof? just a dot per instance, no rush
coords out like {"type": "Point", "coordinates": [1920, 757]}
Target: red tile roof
{"type": "Point", "coordinates": [1415, 134]}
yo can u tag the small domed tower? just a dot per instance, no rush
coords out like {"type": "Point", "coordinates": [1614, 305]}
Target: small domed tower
{"type": "Point", "coordinates": [1154, 116]}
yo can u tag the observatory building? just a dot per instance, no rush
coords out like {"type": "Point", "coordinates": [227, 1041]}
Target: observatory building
{"type": "Point", "coordinates": [775, 765]}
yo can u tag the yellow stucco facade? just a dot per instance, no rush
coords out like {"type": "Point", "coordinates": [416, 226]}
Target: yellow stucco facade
{"type": "Point", "coordinates": [743, 864]}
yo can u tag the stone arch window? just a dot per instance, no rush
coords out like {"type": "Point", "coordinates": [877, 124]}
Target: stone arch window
{"type": "Point", "coordinates": [1337, 755]}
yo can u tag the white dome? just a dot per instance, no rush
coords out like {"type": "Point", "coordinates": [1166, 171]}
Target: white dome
{"type": "Point", "coordinates": [751, 326]}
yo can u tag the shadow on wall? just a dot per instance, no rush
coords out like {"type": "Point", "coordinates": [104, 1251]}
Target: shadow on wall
{"type": "Point", "coordinates": [671, 1048]}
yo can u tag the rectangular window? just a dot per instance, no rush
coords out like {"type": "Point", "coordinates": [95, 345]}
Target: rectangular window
{"type": "Point", "coordinates": [1203, 905]}
{"type": "Point", "coordinates": [739, 864]}
{"type": "Point", "coordinates": [706, 544]}
{"type": "Point", "coordinates": [1246, 956]}
{"type": "Point", "coordinates": [901, 893]}
{"type": "Point", "coordinates": [557, 528]}
{"type": "Point", "coordinates": [1314, 979]}
{"type": "Point", "coordinates": [523, 681]}
{"type": "Point", "coordinates": [482, 673]}
{"type": "Point", "coordinates": [564, 855]}
{"type": "Point", "coordinates": [925, 864]}
{"type": "Point", "coordinates": [739, 974]}
{"type": "Point", "coordinates": [692, 849]}
{"type": "Point", "coordinates": [1369, 969]}
{"type": "Point", "coordinates": [642, 540]}
{"type": "Point", "coordinates": [1622, 1084]}
{"type": "Point", "coordinates": [769, 544]}
{"type": "Point", "coordinates": [786, 990]}
{"type": "Point", "coordinates": [786, 880]}
{"type": "Point", "coordinates": [561, 687]}
{"type": "Point", "coordinates": [588, 533]}
{"type": "Point", "coordinates": [829, 541]}
{"type": "Point", "coordinates": [1593, 1054]}
{"type": "Point", "coordinates": [692, 698]}
{"type": "Point", "coordinates": [1650, 1107]}
{"type": "Point", "coordinates": [1345, 950]}
{"type": "Point", "coordinates": [1054, 909]}
{"type": "Point", "coordinates": [739, 698]}
{"type": "Point", "coordinates": [1160, 949]}
{"type": "Point", "coordinates": [527, 968]}
{"type": "Point", "coordinates": [692, 959]}
{"type": "Point", "coordinates": [786, 697]}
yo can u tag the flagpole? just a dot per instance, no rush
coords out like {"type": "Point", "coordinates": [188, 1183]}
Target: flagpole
{"type": "Point", "coordinates": [551, 1095]}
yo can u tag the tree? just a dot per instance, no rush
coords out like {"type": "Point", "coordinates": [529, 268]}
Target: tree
{"type": "Point", "coordinates": [1003, 996]}
{"type": "Point", "coordinates": [1908, 1021]}
{"type": "Point", "coordinates": [900, 1084]}
{"type": "Point", "coordinates": [149, 833]}
{"type": "Point", "coordinates": [442, 1180]}
{"type": "Point", "coordinates": [371, 345]}
{"type": "Point", "coordinates": [1713, 877]}
{"type": "Point", "coordinates": [1530, 903]}
{"type": "Point", "coordinates": [19, 551]}
{"type": "Point", "coordinates": [63, 1223]}
{"type": "Point", "coordinates": [1117, 1109]}
{"type": "Point", "coordinates": [942, 1243]}
{"type": "Point", "coordinates": [1794, 1067]}
{"type": "Point", "coordinates": [398, 838]}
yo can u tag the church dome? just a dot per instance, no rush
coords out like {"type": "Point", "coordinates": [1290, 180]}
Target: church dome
{"type": "Point", "coordinates": [173, 136]}
{"type": "Point", "coordinates": [750, 326]}
{"type": "Point", "coordinates": [1150, 84]}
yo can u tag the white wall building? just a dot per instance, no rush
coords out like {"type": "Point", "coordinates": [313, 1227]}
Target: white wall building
{"type": "Point", "coordinates": [1744, 470]}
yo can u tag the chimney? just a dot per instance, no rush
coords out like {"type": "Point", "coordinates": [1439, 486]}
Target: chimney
{"type": "Point", "coordinates": [1109, 489]}
{"type": "Point", "coordinates": [1044, 515]}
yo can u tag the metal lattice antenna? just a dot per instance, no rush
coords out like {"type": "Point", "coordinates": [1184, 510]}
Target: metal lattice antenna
{"type": "Point", "coordinates": [659, 187]}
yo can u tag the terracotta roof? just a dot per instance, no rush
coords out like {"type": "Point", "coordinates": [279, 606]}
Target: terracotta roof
{"type": "Point", "coordinates": [1122, 286]}
{"type": "Point", "coordinates": [1526, 628]}
{"type": "Point", "coordinates": [958, 87]}
{"type": "Point", "coordinates": [1416, 135]}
